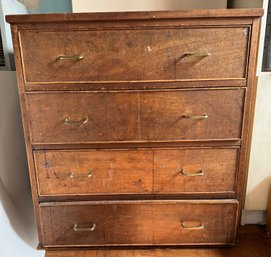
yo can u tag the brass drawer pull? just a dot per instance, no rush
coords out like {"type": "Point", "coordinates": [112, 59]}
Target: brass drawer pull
{"type": "Point", "coordinates": [71, 57]}
{"type": "Point", "coordinates": [201, 54]}
{"type": "Point", "coordinates": [77, 229]}
{"type": "Point", "coordinates": [196, 117]}
{"type": "Point", "coordinates": [185, 226]}
{"type": "Point", "coordinates": [197, 173]}
{"type": "Point", "coordinates": [68, 121]}
{"type": "Point", "coordinates": [81, 176]}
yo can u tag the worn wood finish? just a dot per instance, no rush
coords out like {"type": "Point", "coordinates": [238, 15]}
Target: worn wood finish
{"type": "Point", "coordinates": [94, 172]}
{"type": "Point", "coordinates": [144, 223]}
{"type": "Point", "coordinates": [140, 24]}
{"type": "Point", "coordinates": [229, 142]}
{"type": "Point", "coordinates": [137, 55]}
{"type": "Point", "coordinates": [102, 172]}
{"type": "Point", "coordinates": [140, 108]}
{"type": "Point", "coordinates": [248, 114]}
{"type": "Point", "coordinates": [120, 116]}
{"type": "Point", "coordinates": [120, 16]}
{"type": "Point", "coordinates": [135, 85]}
{"type": "Point", "coordinates": [252, 242]}
{"type": "Point", "coordinates": [195, 171]}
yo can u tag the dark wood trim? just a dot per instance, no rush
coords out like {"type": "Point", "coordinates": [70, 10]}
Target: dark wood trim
{"type": "Point", "coordinates": [248, 115]}
{"type": "Point", "coordinates": [140, 144]}
{"type": "Point", "coordinates": [248, 112]}
{"type": "Point", "coordinates": [96, 86]}
{"type": "Point", "coordinates": [226, 201]}
{"type": "Point", "coordinates": [181, 14]}
{"type": "Point", "coordinates": [139, 24]}
{"type": "Point", "coordinates": [93, 197]}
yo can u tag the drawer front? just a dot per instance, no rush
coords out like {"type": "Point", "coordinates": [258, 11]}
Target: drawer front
{"type": "Point", "coordinates": [94, 172]}
{"type": "Point", "coordinates": [134, 55]}
{"type": "Point", "coordinates": [200, 171]}
{"type": "Point", "coordinates": [144, 223]}
{"type": "Point", "coordinates": [161, 171]}
{"type": "Point", "coordinates": [72, 117]}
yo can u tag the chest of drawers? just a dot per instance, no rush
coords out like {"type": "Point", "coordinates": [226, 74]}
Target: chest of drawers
{"type": "Point", "coordinates": [137, 124]}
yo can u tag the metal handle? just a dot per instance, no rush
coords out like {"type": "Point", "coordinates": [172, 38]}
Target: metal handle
{"type": "Point", "coordinates": [77, 229]}
{"type": "Point", "coordinates": [80, 176]}
{"type": "Point", "coordinates": [202, 54]}
{"type": "Point", "coordinates": [195, 117]}
{"type": "Point", "coordinates": [194, 174]}
{"type": "Point", "coordinates": [70, 57]}
{"type": "Point", "coordinates": [68, 121]}
{"type": "Point", "coordinates": [185, 226]}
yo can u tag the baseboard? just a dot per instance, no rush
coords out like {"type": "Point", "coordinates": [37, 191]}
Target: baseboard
{"type": "Point", "coordinates": [253, 217]}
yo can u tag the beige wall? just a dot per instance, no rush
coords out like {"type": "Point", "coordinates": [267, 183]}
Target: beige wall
{"type": "Point", "coordinates": [142, 5]}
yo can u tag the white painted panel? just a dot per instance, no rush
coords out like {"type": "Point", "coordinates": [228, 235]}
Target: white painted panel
{"type": "Point", "coordinates": [259, 179]}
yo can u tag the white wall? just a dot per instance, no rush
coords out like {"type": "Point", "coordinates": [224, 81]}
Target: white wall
{"type": "Point", "coordinates": [259, 179]}
{"type": "Point", "coordinates": [17, 227]}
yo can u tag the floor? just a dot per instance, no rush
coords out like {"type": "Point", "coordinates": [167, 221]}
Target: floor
{"type": "Point", "coordinates": [253, 241]}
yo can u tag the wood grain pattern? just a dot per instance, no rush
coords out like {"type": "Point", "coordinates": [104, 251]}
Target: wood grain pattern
{"type": "Point", "coordinates": [121, 16]}
{"type": "Point", "coordinates": [252, 242]}
{"type": "Point", "coordinates": [137, 55]}
{"type": "Point", "coordinates": [133, 85]}
{"type": "Point", "coordinates": [139, 222]}
{"type": "Point", "coordinates": [173, 167]}
{"type": "Point", "coordinates": [111, 172]}
{"type": "Point", "coordinates": [146, 115]}
{"type": "Point", "coordinates": [248, 114]}
{"type": "Point", "coordinates": [229, 142]}
{"type": "Point", "coordinates": [128, 116]}
{"type": "Point", "coordinates": [137, 171]}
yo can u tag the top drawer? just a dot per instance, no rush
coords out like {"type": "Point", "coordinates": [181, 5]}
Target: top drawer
{"type": "Point", "coordinates": [137, 55]}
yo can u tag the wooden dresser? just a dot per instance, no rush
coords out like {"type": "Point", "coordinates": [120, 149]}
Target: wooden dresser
{"type": "Point", "coordinates": [137, 124]}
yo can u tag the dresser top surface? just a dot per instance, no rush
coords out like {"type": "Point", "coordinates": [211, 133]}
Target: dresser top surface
{"type": "Point", "coordinates": [149, 15]}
